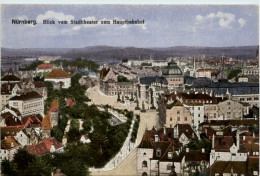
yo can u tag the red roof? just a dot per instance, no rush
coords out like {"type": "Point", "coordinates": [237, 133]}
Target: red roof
{"type": "Point", "coordinates": [45, 66]}
{"type": "Point", "coordinates": [44, 146]}
{"type": "Point", "coordinates": [53, 109]}
{"type": "Point", "coordinates": [32, 120]}
{"type": "Point", "coordinates": [70, 102]}
{"type": "Point", "coordinates": [9, 143]}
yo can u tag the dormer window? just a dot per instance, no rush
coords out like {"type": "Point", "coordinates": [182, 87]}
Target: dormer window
{"type": "Point", "coordinates": [169, 155]}
{"type": "Point", "coordinates": [158, 152]}
{"type": "Point", "coordinates": [156, 138]}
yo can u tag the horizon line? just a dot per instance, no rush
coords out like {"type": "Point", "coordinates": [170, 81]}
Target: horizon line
{"type": "Point", "coordinates": [137, 47]}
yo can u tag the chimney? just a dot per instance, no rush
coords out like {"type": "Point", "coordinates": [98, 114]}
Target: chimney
{"type": "Point", "coordinates": [164, 130]}
{"type": "Point", "coordinates": [156, 138]}
{"type": "Point", "coordinates": [203, 150]}
{"type": "Point", "coordinates": [238, 142]}
{"type": "Point", "coordinates": [244, 138]}
{"type": "Point", "coordinates": [253, 134]}
{"type": "Point", "coordinates": [187, 150]}
{"type": "Point", "coordinates": [12, 144]}
{"type": "Point", "coordinates": [213, 141]}
{"type": "Point", "coordinates": [188, 92]}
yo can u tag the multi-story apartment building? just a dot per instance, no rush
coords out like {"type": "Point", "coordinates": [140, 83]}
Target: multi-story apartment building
{"type": "Point", "coordinates": [28, 103]}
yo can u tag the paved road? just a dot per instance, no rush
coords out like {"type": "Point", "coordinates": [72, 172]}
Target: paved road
{"type": "Point", "coordinates": [148, 120]}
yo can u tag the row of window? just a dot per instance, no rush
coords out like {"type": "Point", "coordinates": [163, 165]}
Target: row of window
{"type": "Point", "coordinates": [249, 99]}
{"type": "Point", "coordinates": [178, 118]}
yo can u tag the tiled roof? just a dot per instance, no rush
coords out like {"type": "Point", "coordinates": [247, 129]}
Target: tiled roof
{"type": "Point", "coordinates": [220, 167]}
{"type": "Point", "coordinates": [7, 87]}
{"type": "Point", "coordinates": [175, 103]}
{"type": "Point", "coordinates": [32, 120]}
{"type": "Point", "coordinates": [9, 143]}
{"type": "Point", "coordinates": [45, 66]}
{"type": "Point", "coordinates": [44, 147]}
{"type": "Point", "coordinates": [10, 119]}
{"type": "Point", "coordinates": [10, 131]}
{"type": "Point", "coordinates": [205, 70]}
{"type": "Point", "coordinates": [16, 111]}
{"type": "Point", "coordinates": [10, 77]}
{"type": "Point", "coordinates": [53, 109]}
{"type": "Point", "coordinates": [70, 102]}
{"type": "Point", "coordinates": [27, 96]}
{"type": "Point", "coordinates": [39, 84]}
{"type": "Point", "coordinates": [223, 143]}
{"type": "Point", "coordinates": [187, 130]}
{"type": "Point", "coordinates": [231, 122]}
{"type": "Point", "coordinates": [104, 72]}
{"type": "Point", "coordinates": [46, 122]}
{"type": "Point", "coordinates": [58, 73]}
{"type": "Point", "coordinates": [196, 156]}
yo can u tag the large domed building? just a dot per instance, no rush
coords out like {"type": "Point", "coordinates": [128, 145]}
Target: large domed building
{"type": "Point", "coordinates": [173, 75]}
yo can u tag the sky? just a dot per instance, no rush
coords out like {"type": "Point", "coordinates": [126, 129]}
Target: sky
{"type": "Point", "coordinates": [164, 26]}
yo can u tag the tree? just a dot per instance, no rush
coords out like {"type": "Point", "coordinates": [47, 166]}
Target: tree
{"type": "Point", "coordinates": [39, 168]}
{"type": "Point", "coordinates": [8, 168]}
{"type": "Point", "coordinates": [75, 167]}
{"type": "Point", "coordinates": [23, 159]}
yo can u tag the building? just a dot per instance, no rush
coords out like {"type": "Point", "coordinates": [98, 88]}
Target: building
{"type": "Point", "coordinates": [242, 168]}
{"type": "Point", "coordinates": [109, 84]}
{"type": "Point", "coordinates": [9, 147]}
{"type": "Point", "coordinates": [204, 73]}
{"type": "Point", "coordinates": [10, 78]}
{"type": "Point", "coordinates": [58, 75]}
{"type": "Point", "coordinates": [44, 68]}
{"type": "Point", "coordinates": [17, 132]}
{"type": "Point", "coordinates": [85, 139]}
{"type": "Point", "coordinates": [9, 90]}
{"type": "Point", "coordinates": [28, 103]}
{"type": "Point", "coordinates": [48, 145]}
{"type": "Point", "coordinates": [173, 75]}
{"type": "Point", "coordinates": [160, 153]}
{"type": "Point", "coordinates": [231, 110]}
{"type": "Point", "coordinates": [176, 113]}
{"type": "Point", "coordinates": [228, 148]}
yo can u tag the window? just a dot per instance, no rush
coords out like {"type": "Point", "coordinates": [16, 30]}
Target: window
{"type": "Point", "coordinates": [249, 99]}
{"type": "Point", "coordinates": [170, 119]}
{"type": "Point", "coordinates": [178, 118]}
{"type": "Point", "coordinates": [178, 112]}
{"type": "Point", "coordinates": [198, 108]}
{"type": "Point", "coordinates": [169, 166]}
{"type": "Point", "coordinates": [144, 164]}
{"type": "Point", "coordinates": [198, 115]}
{"type": "Point", "coordinates": [144, 153]}
{"type": "Point", "coordinates": [185, 118]}
{"type": "Point", "coordinates": [158, 152]}
{"type": "Point", "coordinates": [169, 155]}
{"type": "Point", "coordinates": [15, 103]}
{"type": "Point", "coordinates": [144, 174]}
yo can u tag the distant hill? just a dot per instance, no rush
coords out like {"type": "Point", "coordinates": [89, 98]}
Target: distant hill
{"type": "Point", "coordinates": [104, 52]}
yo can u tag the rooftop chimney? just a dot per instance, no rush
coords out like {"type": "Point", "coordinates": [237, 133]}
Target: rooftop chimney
{"type": "Point", "coordinates": [156, 138]}
{"type": "Point", "coordinates": [164, 130]}
{"type": "Point", "coordinates": [213, 141]}
{"type": "Point", "coordinates": [203, 150]}
{"type": "Point", "coordinates": [187, 150]}
{"type": "Point", "coordinates": [238, 142]}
